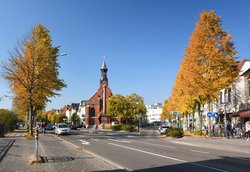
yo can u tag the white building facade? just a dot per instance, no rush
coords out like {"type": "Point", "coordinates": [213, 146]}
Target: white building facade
{"type": "Point", "coordinates": [82, 112]}
{"type": "Point", "coordinates": [71, 109]}
{"type": "Point", "coordinates": [154, 113]}
{"type": "Point", "coordinates": [231, 101]}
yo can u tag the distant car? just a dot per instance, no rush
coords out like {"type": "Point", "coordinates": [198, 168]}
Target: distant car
{"type": "Point", "coordinates": [156, 123]}
{"type": "Point", "coordinates": [49, 127]}
{"type": "Point", "coordinates": [62, 128]}
{"type": "Point", "coordinates": [79, 125]}
{"type": "Point", "coordinates": [159, 128]}
{"type": "Point", "coordinates": [73, 127]}
{"type": "Point", "coordinates": [163, 129]}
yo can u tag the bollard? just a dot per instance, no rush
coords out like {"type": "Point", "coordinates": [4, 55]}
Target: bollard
{"type": "Point", "coordinates": [36, 139]}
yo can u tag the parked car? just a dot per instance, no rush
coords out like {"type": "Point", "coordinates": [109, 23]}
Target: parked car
{"type": "Point", "coordinates": [62, 128]}
{"type": "Point", "coordinates": [163, 129]}
{"type": "Point", "coordinates": [159, 128]}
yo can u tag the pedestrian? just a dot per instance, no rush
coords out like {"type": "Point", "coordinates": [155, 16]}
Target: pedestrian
{"type": "Point", "coordinates": [234, 130]}
{"type": "Point", "coordinates": [247, 130]}
{"type": "Point", "coordinates": [206, 130]}
{"type": "Point", "coordinates": [228, 129]}
{"type": "Point", "coordinates": [43, 127]}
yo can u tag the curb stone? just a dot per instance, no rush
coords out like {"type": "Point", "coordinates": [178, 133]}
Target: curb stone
{"type": "Point", "coordinates": [6, 148]}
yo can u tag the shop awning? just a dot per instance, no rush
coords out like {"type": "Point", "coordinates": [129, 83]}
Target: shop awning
{"type": "Point", "coordinates": [245, 114]}
{"type": "Point", "coordinates": [234, 115]}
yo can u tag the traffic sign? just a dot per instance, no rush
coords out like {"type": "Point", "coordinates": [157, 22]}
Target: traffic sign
{"type": "Point", "coordinates": [216, 115]}
{"type": "Point", "coordinates": [209, 114]}
{"type": "Point", "coordinates": [175, 112]}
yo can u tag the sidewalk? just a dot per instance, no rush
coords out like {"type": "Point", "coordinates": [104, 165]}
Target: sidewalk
{"type": "Point", "coordinates": [234, 145]}
{"type": "Point", "coordinates": [56, 154]}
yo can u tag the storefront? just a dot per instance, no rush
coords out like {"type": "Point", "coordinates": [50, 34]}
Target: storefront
{"type": "Point", "coordinates": [241, 119]}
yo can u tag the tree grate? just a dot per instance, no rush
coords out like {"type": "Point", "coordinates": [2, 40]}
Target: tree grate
{"type": "Point", "coordinates": [52, 159]}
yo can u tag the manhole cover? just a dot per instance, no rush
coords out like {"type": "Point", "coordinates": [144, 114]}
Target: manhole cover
{"type": "Point", "coordinates": [51, 159]}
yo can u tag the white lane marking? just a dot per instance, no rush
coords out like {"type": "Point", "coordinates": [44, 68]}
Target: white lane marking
{"type": "Point", "coordinates": [171, 147]}
{"type": "Point", "coordinates": [167, 157]}
{"type": "Point", "coordinates": [130, 136]}
{"type": "Point", "coordinates": [184, 143]}
{"type": "Point", "coordinates": [84, 142]}
{"type": "Point", "coordinates": [122, 141]}
{"type": "Point", "coordinates": [111, 134]}
{"type": "Point", "coordinates": [199, 151]}
{"type": "Point", "coordinates": [95, 140]}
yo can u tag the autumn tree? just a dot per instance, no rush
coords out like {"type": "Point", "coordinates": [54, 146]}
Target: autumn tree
{"type": "Point", "coordinates": [58, 118]}
{"type": "Point", "coordinates": [75, 118]}
{"type": "Point", "coordinates": [136, 102]}
{"type": "Point", "coordinates": [8, 119]}
{"type": "Point", "coordinates": [166, 110]}
{"type": "Point", "coordinates": [32, 72]}
{"type": "Point", "coordinates": [117, 105]}
{"type": "Point", "coordinates": [208, 64]}
{"type": "Point", "coordinates": [126, 107]}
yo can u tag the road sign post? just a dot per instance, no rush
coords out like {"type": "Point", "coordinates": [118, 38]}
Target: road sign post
{"type": "Point", "coordinates": [209, 115]}
{"type": "Point", "coordinates": [36, 139]}
{"type": "Point", "coordinates": [176, 113]}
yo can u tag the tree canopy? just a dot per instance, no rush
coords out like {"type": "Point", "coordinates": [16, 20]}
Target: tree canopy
{"type": "Point", "coordinates": [32, 72]}
{"type": "Point", "coordinates": [207, 66]}
{"type": "Point", "coordinates": [126, 107]}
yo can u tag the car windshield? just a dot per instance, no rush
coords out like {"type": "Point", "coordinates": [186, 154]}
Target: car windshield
{"type": "Point", "coordinates": [165, 127]}
{"type": "Point", "coordinates": [63, 126]}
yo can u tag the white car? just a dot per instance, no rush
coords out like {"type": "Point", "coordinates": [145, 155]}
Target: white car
{"type": "Point", "coordinates": [62, 128]}
{"type": "Point", "coordinates": [163, 129]}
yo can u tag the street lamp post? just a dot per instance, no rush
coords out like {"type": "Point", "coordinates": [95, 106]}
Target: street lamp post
{"type": "Point", "coordinates": [138, 122]}
{"type": "Point", "coordinates": [225, 120]}
{"type": "Point", "coordinates": [137, 117]}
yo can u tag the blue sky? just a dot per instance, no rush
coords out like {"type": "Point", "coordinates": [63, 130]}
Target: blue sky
{"type": "Point", "coordinates": [143, 41]}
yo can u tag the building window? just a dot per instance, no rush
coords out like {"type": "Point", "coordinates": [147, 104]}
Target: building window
{"type": "Point", "coordinates": [220, 97]}
{"type": "Point", "coordinates": [249, 90]}
{"type": "Point", "coordinates": [225, 95]}
{"type": "Point", "coordinates": [229, 94]}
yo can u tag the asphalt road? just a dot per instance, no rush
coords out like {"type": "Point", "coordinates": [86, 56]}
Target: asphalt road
{"type": "Point", "coordinates": [134, 152]}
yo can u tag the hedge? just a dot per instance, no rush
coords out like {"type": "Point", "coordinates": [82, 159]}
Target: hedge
{"type": "Point", "coordinates": [174, 132]}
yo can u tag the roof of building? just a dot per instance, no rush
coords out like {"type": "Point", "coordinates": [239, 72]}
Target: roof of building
{"type": "Point", "coordinates": [240, 64]}
{"type": "Point", "coordinates": [75, 105]}
{"type": "Point", "coordinates": [104, 66]}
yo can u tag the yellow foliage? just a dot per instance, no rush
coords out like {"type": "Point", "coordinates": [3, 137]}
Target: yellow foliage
{"type": "Point", "coordinates": [206, 67]}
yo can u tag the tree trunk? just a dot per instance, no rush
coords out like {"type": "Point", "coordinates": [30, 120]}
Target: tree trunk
{"type": "Point", "coordinates": [30, 117]}
{"type": "Point", "coordinates": [193, 117]}
{"type": "Point", "coordinates": [209, 119]}
{"type": "Point", "coordinates": [200, 116]}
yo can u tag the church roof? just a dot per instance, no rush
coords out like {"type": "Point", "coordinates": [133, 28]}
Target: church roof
{"type": "Point", "coordinates": [104, 66]}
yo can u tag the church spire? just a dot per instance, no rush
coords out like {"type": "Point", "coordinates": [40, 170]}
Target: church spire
{"type": "Point", "coordinates": [104, 70]}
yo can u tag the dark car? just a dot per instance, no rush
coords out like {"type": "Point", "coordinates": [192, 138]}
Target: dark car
{"type": "Point", "coordinates": [79, 125]}
{"type": "Point", "coordinates": [73, 127]}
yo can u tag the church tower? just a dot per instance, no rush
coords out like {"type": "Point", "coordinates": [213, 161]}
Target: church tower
{"type": "Point", "coordinates": [104, 78]}
{"type": "Point", "coordinates": [96, 106]}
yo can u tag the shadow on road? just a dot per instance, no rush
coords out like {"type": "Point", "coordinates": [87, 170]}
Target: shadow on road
{"type": "Point", "coordinates": [204, 166]}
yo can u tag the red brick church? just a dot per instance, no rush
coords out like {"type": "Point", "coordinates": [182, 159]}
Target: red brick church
{"type": "Point", "coordinates": [96, 106]}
